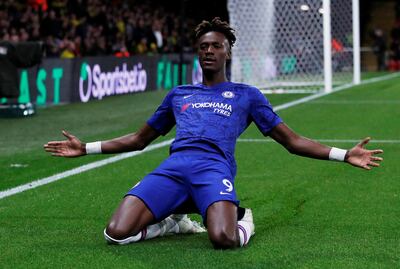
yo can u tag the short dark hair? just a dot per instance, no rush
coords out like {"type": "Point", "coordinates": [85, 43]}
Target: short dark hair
{"type": "Point", "coordinates": [216, 25]}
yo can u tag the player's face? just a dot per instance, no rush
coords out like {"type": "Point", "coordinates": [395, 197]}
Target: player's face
{"type": "Point", "coordinates": [213, 51]}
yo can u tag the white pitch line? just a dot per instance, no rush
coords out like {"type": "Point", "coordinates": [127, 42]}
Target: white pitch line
{"type": "Point", "coordinates": [268, 140]}
{"type": "Point", "coordinates": [337, 89]}
{"type": "Point", "coordinates": [80, 169]}
{"type": "Point", "coordinates": [356, 102]}
{"type": "Point", "coordinates": [93, 165]}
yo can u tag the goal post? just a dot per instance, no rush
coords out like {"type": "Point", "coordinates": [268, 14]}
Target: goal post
{"type": "Point", "coordinates": [295, 46]}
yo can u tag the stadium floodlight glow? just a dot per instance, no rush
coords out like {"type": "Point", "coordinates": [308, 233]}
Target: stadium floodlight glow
{"type": "Point", "coordinates": [304, 7]}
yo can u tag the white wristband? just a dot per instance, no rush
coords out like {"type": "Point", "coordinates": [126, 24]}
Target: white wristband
{"type": "Point", "coordinates": [93, 147]}
{"type": "Point", "coordinates": [337, 154]}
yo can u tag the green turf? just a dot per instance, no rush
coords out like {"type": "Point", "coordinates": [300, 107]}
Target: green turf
{"type": "Point", "coordinates": [22, 159]}
{"type": "Point", "coordinates": [23, 139]}
{"type": "Point", "coordinates": [308, 214]}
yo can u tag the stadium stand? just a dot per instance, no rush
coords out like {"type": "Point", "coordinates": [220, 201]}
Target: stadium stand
{"type": "Point", "coordinates": [76, 28]}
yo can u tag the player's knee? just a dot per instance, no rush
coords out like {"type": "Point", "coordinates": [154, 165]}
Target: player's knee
{"type": "Point", "coordinates": [120, 236]}
{"type": "Point", "coordinates": [116, 232]}
{"type": "Point", "coordinates": [223, 239]}
{"type": "Point", "coordinates": [109, 238]}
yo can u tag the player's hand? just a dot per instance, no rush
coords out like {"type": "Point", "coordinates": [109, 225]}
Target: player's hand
{"type": "Point", "coordinates": [72, 147]}
{"type": "Point", "coordinates": [358, 156]}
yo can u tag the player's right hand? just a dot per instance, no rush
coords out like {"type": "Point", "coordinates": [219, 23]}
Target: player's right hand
{"type": "Point", "coordinates": [72, 147]}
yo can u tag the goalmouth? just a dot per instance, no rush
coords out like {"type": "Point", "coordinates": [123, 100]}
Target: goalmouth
{"type": "Point", "coordinates": [295, 46]}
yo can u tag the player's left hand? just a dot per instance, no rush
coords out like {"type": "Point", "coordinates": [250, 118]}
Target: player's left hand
{"type": "Point", "coordinates": [358, 156]}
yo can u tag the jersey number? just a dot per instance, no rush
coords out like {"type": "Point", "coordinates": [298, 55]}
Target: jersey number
{"type": "Point", "coordinates": [228, 184]}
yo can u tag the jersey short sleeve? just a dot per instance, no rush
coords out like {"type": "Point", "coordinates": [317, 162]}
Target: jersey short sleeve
{"type": "Point", "coordinates": [261, 112]}
{"type": "Point", "coordinates": [163, 119]}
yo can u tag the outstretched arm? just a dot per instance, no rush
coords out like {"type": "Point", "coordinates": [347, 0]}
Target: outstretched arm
{"type": "Point", "coordinates": [73, 147]}
{"type": "Point", "coordinates": [357, 156]}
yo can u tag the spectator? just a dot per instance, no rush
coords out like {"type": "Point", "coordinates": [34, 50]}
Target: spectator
{"type": "Point", "coordinates": [52, 47]}
{"type": "Point", "coordinates": [142, 47]}
{"type": "Point", "coordinates": [38, 4]}
{"type": "Point", "coordinates": [92, 27]}
{"type": "Point", "coordinates": [379, 48]}
{"type": "Point", "coordinates": [394, 59]}
{"type": "Point", "coordinates": [51, 25]}
{"type": "Point", "coordinates": [68, 50]}
{"type": "Point", "coordinates": [23, 35]}
{"type": "Point", "coordinates": [122, 52]}
{"type": "Point", "coordinates": [157, 37]}
{"type": "Point", "coordinates": [14, 36]}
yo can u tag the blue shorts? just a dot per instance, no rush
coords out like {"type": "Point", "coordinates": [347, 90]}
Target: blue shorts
{"type": "Point", "coordinates": [204, 178]}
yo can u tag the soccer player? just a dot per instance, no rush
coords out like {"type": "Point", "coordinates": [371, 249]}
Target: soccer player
{"type": "Point", "coordinates": [201, 168]}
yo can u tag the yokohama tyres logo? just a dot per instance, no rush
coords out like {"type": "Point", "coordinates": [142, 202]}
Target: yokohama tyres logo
{"type": "Point", "coordinates": [218, 108]}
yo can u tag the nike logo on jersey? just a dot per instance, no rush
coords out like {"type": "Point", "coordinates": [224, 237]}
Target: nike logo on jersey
{"type": "Point", "coordinates": [224, 193]}
{"type": "Point", "coordinates": [187, 96]}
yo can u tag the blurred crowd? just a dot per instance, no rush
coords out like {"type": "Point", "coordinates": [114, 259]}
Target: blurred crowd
{"type": "Point", "coordinates": [394, 54]}
{"type": "Point", "coordinates": [76, 28]}
{"type": "Point", "coordinates": [388, 56]}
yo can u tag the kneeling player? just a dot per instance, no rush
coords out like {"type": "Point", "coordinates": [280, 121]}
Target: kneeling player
{"type": "Point", "coordinates": [209, 117]}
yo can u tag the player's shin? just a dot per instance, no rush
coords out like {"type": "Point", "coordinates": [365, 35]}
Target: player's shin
{"type": "Point", "coordinates": [168, 225]}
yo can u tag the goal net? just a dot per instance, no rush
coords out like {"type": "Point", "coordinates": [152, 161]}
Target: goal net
{"type": "Point", "coordinates": [280, 44]}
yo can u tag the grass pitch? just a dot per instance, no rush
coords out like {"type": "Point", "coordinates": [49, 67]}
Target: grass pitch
{"type": "Point", "coordinates": [308, 213]}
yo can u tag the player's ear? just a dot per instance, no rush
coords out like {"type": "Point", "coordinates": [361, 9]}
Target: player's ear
{"type": "Point", "coordinates": [229, 54]}
{"type": "Point", "coordinates": [228, 49]}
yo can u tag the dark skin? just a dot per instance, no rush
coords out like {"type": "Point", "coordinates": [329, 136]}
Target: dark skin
{"type": "Point", "coordinates": [213, 51]}
{"type": "Point", "coordinates": [132, 214]}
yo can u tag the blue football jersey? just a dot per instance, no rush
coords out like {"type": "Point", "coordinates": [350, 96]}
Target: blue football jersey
{"type": "Point", "coordinates": [211, 119]}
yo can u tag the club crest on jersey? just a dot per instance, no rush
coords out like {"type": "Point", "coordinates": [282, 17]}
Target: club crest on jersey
{"type": "Point", "coordinates": [228, 94]}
